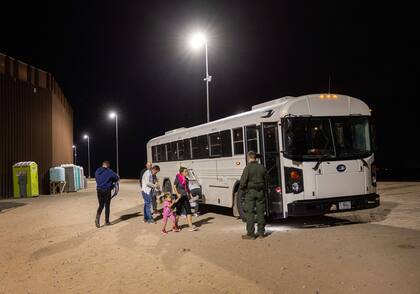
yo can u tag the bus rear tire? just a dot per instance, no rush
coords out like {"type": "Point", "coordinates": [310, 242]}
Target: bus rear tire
{"type": "Point", "coordinates": [239, 204]}
{"type": "Point", "coordinates": [167, 187]}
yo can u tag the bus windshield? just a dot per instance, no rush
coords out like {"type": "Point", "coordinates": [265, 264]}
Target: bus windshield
{"type": "Point", "coordinates": [312, 138]}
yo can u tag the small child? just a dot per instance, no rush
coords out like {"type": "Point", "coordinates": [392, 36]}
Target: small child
{"type": "Point", "coordinates": [168, 213]}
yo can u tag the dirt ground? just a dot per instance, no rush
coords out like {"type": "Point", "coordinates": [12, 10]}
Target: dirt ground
{"type": "Point", "coordinates": [49, 244]}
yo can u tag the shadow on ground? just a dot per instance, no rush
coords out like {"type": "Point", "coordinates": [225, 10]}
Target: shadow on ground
{"type": "Point", "coordinates": [126, 217]}
{"type": "Point", "coordinates": [10, 205]}
{"type": "Point", "coordinates": [340, 219]}
{"type": "Point", "coordinates": [207, 208]}
{"type": "Point", "coordinates": [198, 224]}
{"type": "Point", "coordinates": [62, 246]}
{"type": "Point", "coordinates": [346, 218]}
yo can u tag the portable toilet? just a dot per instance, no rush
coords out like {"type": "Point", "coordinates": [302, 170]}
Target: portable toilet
{"type": "Point", "coordinates": [52, 174]}
{"type": "Point", "coordinates": [79, 170]}
{"type": "Point", "coordinates": [60, 174]}
{"type": "Point", "coordinates": [71, 177]}
{"type": "Point", "coordinates": [82, 178]}
{"type": "Point", "coordinates": [57, 174]}
{"type": "Point", "coordinates": [77, 177]}
{"type": "Point", "coordinates": [25, 179]}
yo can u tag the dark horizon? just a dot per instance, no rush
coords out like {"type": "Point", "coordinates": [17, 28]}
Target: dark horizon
{"type": "Point", "coordinates": [134, 58]}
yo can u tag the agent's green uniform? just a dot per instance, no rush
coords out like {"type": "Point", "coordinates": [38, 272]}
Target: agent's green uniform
{"type": "Point", "coordinates": [254, 183]}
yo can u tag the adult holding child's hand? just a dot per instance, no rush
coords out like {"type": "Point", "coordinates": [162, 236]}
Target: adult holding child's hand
{"type": "Point", "coordinates": [183, 194]}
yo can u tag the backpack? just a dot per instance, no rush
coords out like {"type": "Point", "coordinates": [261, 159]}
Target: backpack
{"type": "Point", "coordinates": [141, 175]}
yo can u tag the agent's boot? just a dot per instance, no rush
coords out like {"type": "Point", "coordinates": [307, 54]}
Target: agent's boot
{"type": "Point", "coordinates": [97, 221]}
{"type": "Point", "coordinates": [249, 237]}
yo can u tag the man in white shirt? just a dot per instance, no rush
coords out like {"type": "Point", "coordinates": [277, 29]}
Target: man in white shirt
{"type": "Point", "coordinates": [148, 188]}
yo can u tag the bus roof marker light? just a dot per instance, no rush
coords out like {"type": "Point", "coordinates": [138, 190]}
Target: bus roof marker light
{"type": "Point", "coordinates": [328, 96]}
{"type": "Point", "coordinates": [321, 96]}
{"type": "Point", "coordinates": [335, 96]}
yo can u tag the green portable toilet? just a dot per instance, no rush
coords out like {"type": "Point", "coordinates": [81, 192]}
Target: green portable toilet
{"type": "Point", "coordinates": [25, 179]}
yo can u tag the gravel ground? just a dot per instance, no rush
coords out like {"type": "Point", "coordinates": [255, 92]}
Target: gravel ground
{"type": "Point", "coordinates": [49, 244]}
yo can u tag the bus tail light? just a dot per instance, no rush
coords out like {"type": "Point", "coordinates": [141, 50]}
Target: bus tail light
{"type": "Point", "coordinates": [294, 180]}
{"type": "Point", "coordinates": [295, 175]}
{"type": "Point", "coordinates": [373, 169]}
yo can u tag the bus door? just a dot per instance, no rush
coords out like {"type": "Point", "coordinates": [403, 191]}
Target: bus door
{"type": "Point", "coordinates": [252, 139]}
{"type": "Point", "coordinates": [271, 159]}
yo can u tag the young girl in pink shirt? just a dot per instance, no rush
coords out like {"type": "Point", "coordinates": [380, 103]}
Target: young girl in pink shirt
{"type": "Point", "coordinates": [168, 213]}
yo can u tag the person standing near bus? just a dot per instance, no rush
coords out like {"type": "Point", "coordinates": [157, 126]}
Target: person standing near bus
{"type": "Point", "coordinates": [105, 181]}
{"type": "Point", "coordinates": [148, 189]}
{"type": "Point", "coordinates": [156, 193]}
{"type": "Point", "coordinates": [183, 194]}
{"type": "Point", "coordinates": [148, 166]}
{"type": "Point", "coordinates": [254, 184]}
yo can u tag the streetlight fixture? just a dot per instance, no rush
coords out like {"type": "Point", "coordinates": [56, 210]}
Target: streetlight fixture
{"type": "Point", "coordinates": [75, 153]}
{"type": "Point", "coordinates": [113, 115]}
{"type": "Point", "coordinates": [197, 41]}
{"type": "Point", "coordinates": [86, 137]}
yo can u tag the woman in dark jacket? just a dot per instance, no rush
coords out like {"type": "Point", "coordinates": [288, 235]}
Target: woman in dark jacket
{"type": "Point", "coordinates": [183, 194]}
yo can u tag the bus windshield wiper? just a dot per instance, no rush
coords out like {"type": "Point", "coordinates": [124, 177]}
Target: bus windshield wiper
{"type": "Point", "coordinates": [364, 162]}
{"type": "Point", "coordinates": [321, 159]}
{"type": "Point", "coordinates": [360, 157]}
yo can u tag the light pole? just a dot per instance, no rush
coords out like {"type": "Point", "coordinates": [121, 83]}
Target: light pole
{"type": "Point", "coordinates": [113, 115]}
{"type": "Point", "coordinates": [86, 137]}
{"type": "Point", "coordinates": [198, 40]}
{"type": "Point", "coordinates": [75, 154]}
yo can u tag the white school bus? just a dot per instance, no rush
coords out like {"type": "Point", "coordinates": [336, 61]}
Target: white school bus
{"type": "Point", "coordinates": [318, 150]}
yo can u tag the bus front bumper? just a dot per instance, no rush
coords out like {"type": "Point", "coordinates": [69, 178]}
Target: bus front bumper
{"type": "Point", "coordinates": [332, 205]}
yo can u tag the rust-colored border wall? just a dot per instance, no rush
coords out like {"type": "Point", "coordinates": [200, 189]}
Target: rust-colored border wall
{"type": "Point", "coordinates": [36, 122]}
{"type": "Point", "coordinates": [62, 131]}
{"type": "Point", "coordinates": [24, 130]}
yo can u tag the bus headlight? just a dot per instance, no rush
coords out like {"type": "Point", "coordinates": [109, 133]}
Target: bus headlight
{"type": "Point", "coordinates": [294, 180]}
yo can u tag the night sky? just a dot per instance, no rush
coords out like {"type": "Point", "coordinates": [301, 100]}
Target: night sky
{"type": "Point", "coordinates": [133, 56]}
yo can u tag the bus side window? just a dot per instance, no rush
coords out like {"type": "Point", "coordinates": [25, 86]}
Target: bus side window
{"type": "Point", "coordinates": [238, 141]}
{"type": "Point", "coordinates": [203, 144]}
{"type": "Point", "coordinates": [174, 152]}
{"type": "Point", "coordinates": [200, 147]}
{"type": "Point", "coordinates": [181, 150]}
{"type": "Point", "coordinates": [154, 154]}
{"type": "Point", "coordinates": [195, 148]}
{"type": "Point", "coordinates": [215, 145]}
{"type": "Point", "coordinates": [226, 143]}
{"type": "Point", "coordinates": [187, 149]}
{"type": "Point", "coordinates": [168, 152]}
{"type": "Point", "coordinates": [161, 153]}
{"type": "Point", "coordinates": [252, 138]}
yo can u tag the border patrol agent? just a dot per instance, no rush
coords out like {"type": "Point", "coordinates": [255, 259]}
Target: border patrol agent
{"type": "Point", "coordinates": [254, 183]}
